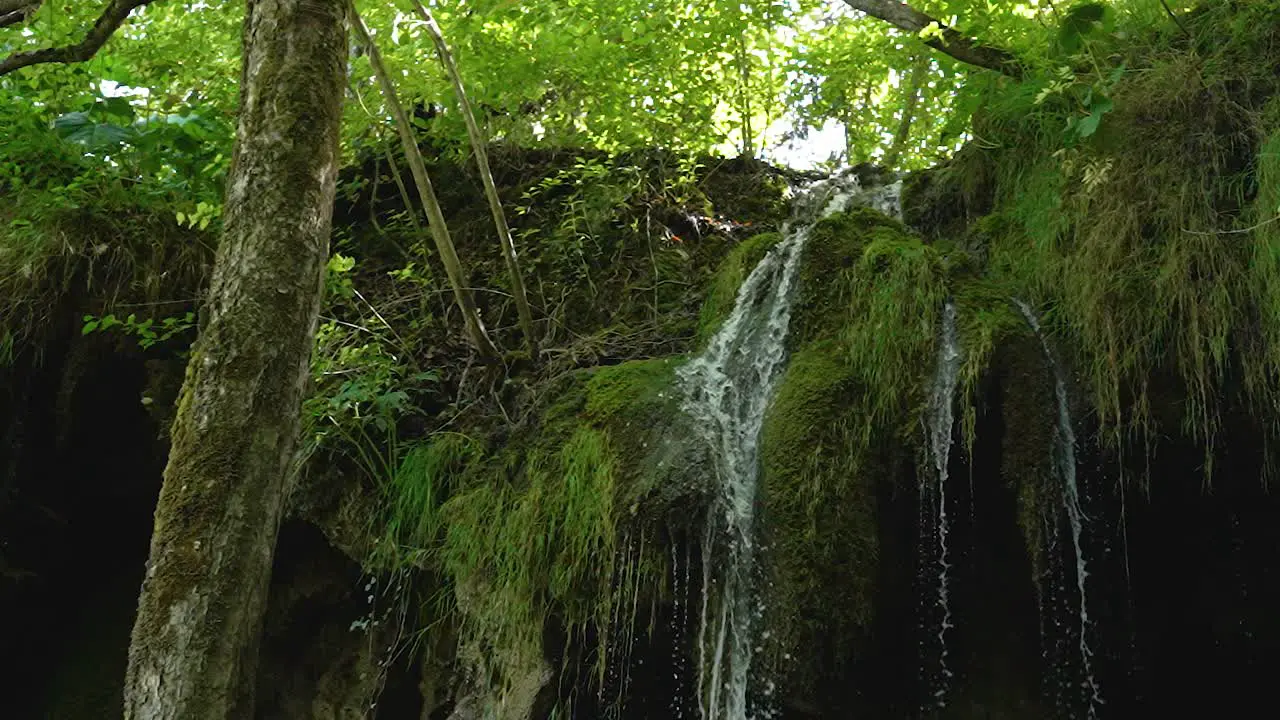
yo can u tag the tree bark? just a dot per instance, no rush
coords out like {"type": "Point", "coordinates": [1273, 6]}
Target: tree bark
{"type": "Point", "coordinates": [744, 93]}
{"type": "Point", "coordinates": [195, 640]}
{"type": "Point", "coordinates": [951, 43]}
{"type": "Point", "coordinates": [13, 12]}
{"type": "Point", "coordinates": [478, 143]}
{"type": "Point", "coordinates": [427, 194]}
{"type": "Point", "coordinates": [915, 82]}
{"type": "Point", "coordinates": [112, 17]}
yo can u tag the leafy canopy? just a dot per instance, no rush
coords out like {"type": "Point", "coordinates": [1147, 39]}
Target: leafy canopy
{"type": "Point", "coordinates": [689, 75]}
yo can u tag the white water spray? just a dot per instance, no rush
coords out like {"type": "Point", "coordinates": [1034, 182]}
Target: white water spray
{"type": "Point", "coordinates": [933, 488]}
{"type": "Point", "coordinates": [728, 388]}
{"type": "Point", "coordinates": [1064, 463]}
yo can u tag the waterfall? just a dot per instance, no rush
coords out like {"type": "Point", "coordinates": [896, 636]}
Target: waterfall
{"type": "Point", "coordinates": [1064, 466]}
{"type": "Point", "coordinates": [728, 388]}
{"type": "Point", "coordinates": [935, 566]}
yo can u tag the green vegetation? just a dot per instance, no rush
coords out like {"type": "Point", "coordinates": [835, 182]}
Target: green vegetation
{"type": "Point", "coordinates": [1148, 240]}
{"type": "Point", "coordinates": [536, 527]}
{"type": "Point", "coordinates": [819, 500]}
{"type": "Point", "coordinates": [734, 269]}
{"type": "Point", "coordinates": [1127, 185]}
{"type": "Point", "coordinates": [862, 335]}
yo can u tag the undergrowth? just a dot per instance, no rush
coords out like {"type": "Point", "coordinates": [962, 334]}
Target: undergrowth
{"type": "Point", "coordinates": [92, 247]}
{"type": "Point", "coordinates": [1149, 244]}
{"type": "Point", "coordinates": [534, 529]}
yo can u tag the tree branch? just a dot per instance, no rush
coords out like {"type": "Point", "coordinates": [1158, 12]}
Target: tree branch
{"type": "Point", "coordinates": [13, 12]}
{"type": "Point", "coordinates": [8, 6]}
{"type": "Point", "coordinates": [952, 42]}
{"type": "Point", "coordinates": [478, 143]}
{"type": "Point", "coordinates": [111, 18]}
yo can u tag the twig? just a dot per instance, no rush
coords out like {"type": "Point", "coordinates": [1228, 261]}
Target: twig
{"type": "Point", "coordinates": [1233, 232]}
{"type": "Point", "coordinates": [399, 340]}
{"type": "Point", "coordinates": [1177, 21]}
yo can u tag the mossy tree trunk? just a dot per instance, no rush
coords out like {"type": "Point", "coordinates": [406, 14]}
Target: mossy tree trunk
{"type": "Point", "coordinates": [195, 640]}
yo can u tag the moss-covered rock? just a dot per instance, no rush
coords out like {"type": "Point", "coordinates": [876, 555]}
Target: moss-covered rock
{"type": "Point", "coordinates": [862, 338]}
{"type": "Point", "coordinates": [941, 201]}
{"type": "Point", "coordinates": [820, 514]}
{"type": "Point", "coordinates": [733, 271]}
{"type": "Point", "coordinates": [1026, 457]}
{"type": "Point", "coordinates": [607, 458]}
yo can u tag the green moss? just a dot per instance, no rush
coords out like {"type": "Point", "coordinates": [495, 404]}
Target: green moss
{"type": "Point", "coordinates": [877, 291]}
{"type": "Point", "coordinates": [733, 270]}
{"type": "Point", "coordinates": [87, 249]}
{"type": "Point", "coordinates": [1025, 458]}
{"type": "Point", "coordinates": [1144, 241]}
{"type": "Point", "coordinates": [536, 529]}
{"type": "Point", "coordinates": [620, 390]}
{"type": "Point", "coordinates": [820, 507]}
{"type": "Point", "coordinates": [863, 341]}
{"type": "Point", "coordinates": [941, 201]}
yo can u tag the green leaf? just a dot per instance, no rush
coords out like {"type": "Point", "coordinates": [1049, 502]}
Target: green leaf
{"type": "Point", "coordinates": [1080, 21]}
{"type": "Point", "coordinates": [89, 327]}
{"type": "Point", "coordinates": [1088, 125]}
{"type": "Point", "coordinates": [1117, 73]}
{"type": "Point", "coordinates": [78, 128]}
{"type": "Point", "coordinates": [117, 106]}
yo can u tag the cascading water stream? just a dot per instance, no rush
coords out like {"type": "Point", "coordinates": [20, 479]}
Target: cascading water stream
{"type": "Point", "coordinates": [933, 496]}
{"type": "Point", "coordinates": [1064, 464]}
{"type": "Point", "coordinates": [728, 390]}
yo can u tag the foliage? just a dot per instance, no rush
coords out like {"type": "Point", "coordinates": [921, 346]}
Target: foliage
{"type": "Point", "coordinates": [563, 492]}
{"type": "Point", "coordinates": [147, 330]}
{"type": "Point", "coordinates": [1144, 239]}
{"type": "Point", "coordinates": [1137, 171]}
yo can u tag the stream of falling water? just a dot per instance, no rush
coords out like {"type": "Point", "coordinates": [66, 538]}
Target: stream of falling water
{"type": "Point", "coordinates": [936, 566]}
{"type": "Point", "coordinates": [728, 388]}
{"type": "Point", "coordinates": [1064, 464]}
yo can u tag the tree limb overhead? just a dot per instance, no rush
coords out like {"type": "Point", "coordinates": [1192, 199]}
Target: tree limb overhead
{"type": "Point", "coordinates": [951, 42]}
{"type": "Point", "coordinates": [13, 12]}
{"type": "Point", "coordinates": [111, 18]}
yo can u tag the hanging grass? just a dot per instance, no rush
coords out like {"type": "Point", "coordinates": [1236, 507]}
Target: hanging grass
{"type": "Point", "coordinates": [538, 529]}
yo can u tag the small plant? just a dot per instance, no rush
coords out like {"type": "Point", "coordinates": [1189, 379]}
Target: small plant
{"type": "Point", "coordinates": [148, 331]}
{"type": "Point", "coordinates": [204, 214]}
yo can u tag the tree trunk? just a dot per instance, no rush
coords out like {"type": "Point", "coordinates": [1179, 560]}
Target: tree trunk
{"type": "Point", "coordinates": [427, 193]}
{"type": "Point", "coordinates": [195, 640]}
{"type": "Point", "coordinates": [478, 143]}
{"type": "Point", "coordinates": [744, 91]}
{"type": "Point", "coordinates": [951, 42]}
{"type": "Point", "coordinates": [914, 84]}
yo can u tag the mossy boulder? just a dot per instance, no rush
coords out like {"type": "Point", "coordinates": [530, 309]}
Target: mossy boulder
{"type": "Point", "coordinates": [529, 528]}
{"type": "Point", "coordinates": [862, 343]}
{"type": "Point", "coordinates": [820, 512]}
{"type": "Point", "coordinates": [662, 470]}
{"type": "Point", "coordinates": [941, 201]}
{"type": "Point", "coordinates": [730, 275]}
